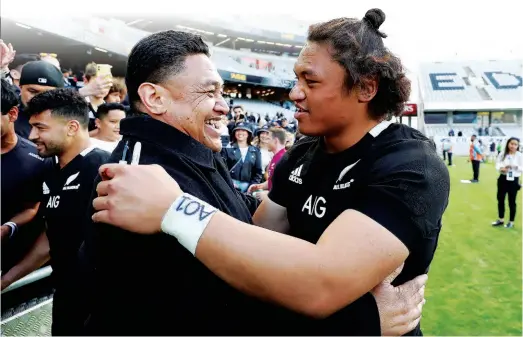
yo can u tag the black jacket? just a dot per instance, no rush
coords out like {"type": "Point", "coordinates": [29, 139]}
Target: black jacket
{"type": "Point", "coordinates": [249, 170]}
{"type": "Point", "coordinates": [150, 285]}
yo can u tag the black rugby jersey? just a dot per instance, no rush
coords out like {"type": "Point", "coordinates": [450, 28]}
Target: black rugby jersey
{"type": "Point", "coordinates": [393, 175]}
{"type": "Point", "coordinates": [22, 175]}
{"type": "Point", "coordinates": [65, 200]}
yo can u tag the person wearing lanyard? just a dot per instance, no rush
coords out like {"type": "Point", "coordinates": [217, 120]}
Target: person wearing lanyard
{"type": "Point", "coordinates": [349, 205]}
{"type": "Point", "coordinates": [510, 165]}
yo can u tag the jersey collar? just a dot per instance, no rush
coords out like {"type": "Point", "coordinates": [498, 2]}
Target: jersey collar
{"type": "Point", "coordinates": [167, 137]}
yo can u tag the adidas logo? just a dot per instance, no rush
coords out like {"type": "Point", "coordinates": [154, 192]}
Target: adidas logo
{"type": "Point", "coordinates": [295, 175]}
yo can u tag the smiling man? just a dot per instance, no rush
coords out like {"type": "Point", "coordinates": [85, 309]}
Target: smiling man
{"type": "Point", "coordinates": [152, 285]}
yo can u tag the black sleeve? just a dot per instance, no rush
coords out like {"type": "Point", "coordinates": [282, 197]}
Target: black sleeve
{"type": "Point", "coordinates": [278, 192]}
{"type": "Point", "coordinates": [407, 195]}
{"type": "Point", "coordinates": [251, 202]}
{"type": "Point", "coordinates": [257, 172]}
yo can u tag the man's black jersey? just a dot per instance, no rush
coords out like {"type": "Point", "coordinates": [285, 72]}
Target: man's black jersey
{"type": "Point", "coordinates": [65, 200]}
{"type": "Point", "coordinates": [393, 175]}
{"type": "Point", "coordinates": [22, 175]}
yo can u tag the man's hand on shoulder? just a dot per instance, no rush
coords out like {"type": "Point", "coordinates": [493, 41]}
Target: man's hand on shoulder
{"type": "Point", "coordinates": [400, 307]}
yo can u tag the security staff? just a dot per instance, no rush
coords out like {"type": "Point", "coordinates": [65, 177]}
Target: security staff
{"type": "Point", "coordinates": [36, 77]}
{"type": "Point", "coordinates": [59, 119]}
{"type": "Point", "coordinates": [280, 268]}
{"type": "Point", "coordinates": [22, 176]}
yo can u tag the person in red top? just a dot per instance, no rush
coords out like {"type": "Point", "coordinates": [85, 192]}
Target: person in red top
{"type": "Point", "coordinates": [276, 146]}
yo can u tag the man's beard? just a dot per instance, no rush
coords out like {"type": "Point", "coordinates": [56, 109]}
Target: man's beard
{"type": "Point", "coordinates": [50, 150]}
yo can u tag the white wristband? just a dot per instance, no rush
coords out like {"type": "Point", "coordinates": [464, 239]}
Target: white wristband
{"type": "Point", "coordinates": [13, 227]}
{"type": "Point", "coordinates": [186, 220]}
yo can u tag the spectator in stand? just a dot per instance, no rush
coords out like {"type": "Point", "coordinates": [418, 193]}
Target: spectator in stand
{"type": "Point", "coordinates": [460, 134]}
{"type": "Point", "coordinates": [243, 160]}
{"type": "Point", "coordinates": [96, 99]}
{"type": "Point", "coordinates": [475, 157]}
{"type": "Point", "coordinates": [285, 125]}
{"type": "Point", "coordinates": [510, 165]}
{"type": "Point", "coordinates": [277, 147]}
{"type": "Point", "coordinates": [108, 126]}
{"type": "Point", "coordinates": [262, 141]}
{"type": "Point", "coordinates": [117, 92]}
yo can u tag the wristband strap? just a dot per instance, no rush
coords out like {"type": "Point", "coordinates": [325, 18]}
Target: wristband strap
{"type": "Point", "coordinates": [186, 220]}
{"type": "Point", "coordinates": [13, 227]}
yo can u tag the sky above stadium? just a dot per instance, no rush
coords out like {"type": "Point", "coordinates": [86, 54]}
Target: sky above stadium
{"type": "Point", "coordinates": [419, 31]}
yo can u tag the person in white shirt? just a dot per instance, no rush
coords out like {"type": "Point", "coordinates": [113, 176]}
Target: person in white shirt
{"type": "Point", "coordinates": [510, 166]}
{"type": "Point", "coordinates": [108, 126]}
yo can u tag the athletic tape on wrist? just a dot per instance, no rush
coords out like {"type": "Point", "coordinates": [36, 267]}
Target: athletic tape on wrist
{"type": "Point", "coordinates": [186, 220]}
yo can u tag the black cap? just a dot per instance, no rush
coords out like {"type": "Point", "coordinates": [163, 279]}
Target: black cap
{"type": "Point", "coordinates": [242, 126]}
{"type": "Point", "coordinates": [41, 73]}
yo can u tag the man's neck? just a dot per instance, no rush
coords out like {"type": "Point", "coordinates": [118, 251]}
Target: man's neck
{"type": "Point", "coordinates": [74, 150]}
{"type": "Point", "coordinates": [9, 141]}
{"type": "Point", "coordinates": [349, 137]}
{"type": "Point", "coordinates": [278, 148]}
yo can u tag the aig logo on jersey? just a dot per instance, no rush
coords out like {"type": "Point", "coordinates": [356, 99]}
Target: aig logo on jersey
{"type": "Point", "coordinates": [69, 180]}
{"type": "Point", "coordinates": [295, 175]}
{"type": "Point", "coordinates": [315, 206]}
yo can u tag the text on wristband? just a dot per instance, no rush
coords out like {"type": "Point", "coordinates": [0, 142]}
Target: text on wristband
{"type": "Point", "coordinates": [190, 207]}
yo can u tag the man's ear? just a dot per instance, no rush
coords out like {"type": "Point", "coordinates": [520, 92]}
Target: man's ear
{"type": "Point", "coordinates": [73, 126]}
{"type": "Point", "coordinates": [367, 89]}
{"type": "Point", "coordinates": [97, 123]}
{"type": "Point", "coordinates": [13, 114]}
{"type": "Point", "coordinates": [152, 98]}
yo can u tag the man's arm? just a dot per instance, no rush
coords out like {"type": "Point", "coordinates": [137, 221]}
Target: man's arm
{"type": "Point", "coordinates": [314, 279]}
{"type": "Point", "coordinates": [271, 216]}
{"type": "Point", "coordinates": [352, 256]}
{"type": "Point", "coordinates": [20, 219]}
{"type": "Point", "coordinates": [35, 258]}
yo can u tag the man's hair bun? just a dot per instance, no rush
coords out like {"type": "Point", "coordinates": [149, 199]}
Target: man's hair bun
{"type": "Point", "coordinates": [375, 18]}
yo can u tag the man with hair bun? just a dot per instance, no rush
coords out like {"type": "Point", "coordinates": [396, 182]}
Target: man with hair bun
{"type": "Point", "coordinates": [355, 201]}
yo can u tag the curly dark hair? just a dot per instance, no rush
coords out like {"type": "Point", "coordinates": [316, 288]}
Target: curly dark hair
{"type": "Point", "coordinates": [9, 97]}
{"type": "Point", "coordinates": [357, 45]}
{"type": "Point", "coordinates": [63, 102]}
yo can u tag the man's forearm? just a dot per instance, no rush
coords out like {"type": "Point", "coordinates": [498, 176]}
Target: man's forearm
{"type": "Point", "coordinates": [269, 265]}
{"type": "Point", "coordinates": [25, 216]}
{"type": "Point", "coordinates": [35, 258]}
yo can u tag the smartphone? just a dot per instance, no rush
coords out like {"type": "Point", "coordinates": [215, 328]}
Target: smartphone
{"type": "Point", "coordinates": [104, 70]}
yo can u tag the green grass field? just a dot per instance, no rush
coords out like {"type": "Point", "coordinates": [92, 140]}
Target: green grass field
{"type": "Point", "coordinates": [475, 285]}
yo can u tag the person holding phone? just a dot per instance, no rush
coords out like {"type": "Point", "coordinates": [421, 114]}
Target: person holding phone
{"type": "Point", "coordinates": [510, 165]}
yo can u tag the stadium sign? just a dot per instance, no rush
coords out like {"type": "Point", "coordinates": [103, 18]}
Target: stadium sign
{"type": "Point", "coordinates": [410, 109]}
{"type": "Point", "coordinates": [258, 80]}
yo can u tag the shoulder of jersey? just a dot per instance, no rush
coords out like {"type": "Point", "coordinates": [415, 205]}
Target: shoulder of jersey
{"type": "Point", "coordinates": [98, 155]}
{"type": "Point", "coordinates": [302, 146]}
{"type": "Point", "coordinates": [31, 149]}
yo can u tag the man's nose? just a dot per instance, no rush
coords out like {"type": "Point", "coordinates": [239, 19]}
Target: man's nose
{"type": "Point", "coordinates": [33, 134]}
{"type": "Point", "coordinates": [221, 106]}
{"type": "Point", "coordinates": [297, 94]}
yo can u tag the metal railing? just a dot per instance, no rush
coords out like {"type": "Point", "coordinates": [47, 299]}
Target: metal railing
{"type": "Point", "coordinates": [28, 279]}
